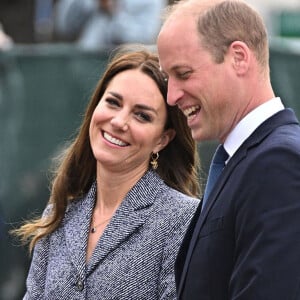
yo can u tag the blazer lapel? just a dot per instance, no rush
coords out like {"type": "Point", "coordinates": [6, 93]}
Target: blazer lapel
{"type": "Point", "coordinates": [284, 117]}
{"type": "Point", "coordinates": [123, 224]}
{"type": "Point", "coordinates": [132, 213]}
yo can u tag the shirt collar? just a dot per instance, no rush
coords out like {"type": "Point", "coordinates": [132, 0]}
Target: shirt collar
{"type": "Point", "coordinates": [250, 122]}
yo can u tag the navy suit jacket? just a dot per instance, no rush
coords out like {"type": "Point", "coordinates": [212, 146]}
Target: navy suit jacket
{"type": "Point", "coordinates": [245, 244]}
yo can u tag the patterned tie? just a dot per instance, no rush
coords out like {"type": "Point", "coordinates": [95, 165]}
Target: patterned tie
{"type": "Point", "coordinates": [215, 169]}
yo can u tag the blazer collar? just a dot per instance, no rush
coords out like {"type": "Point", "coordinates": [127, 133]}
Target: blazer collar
{"type": "Point", "coordinates": [284, 117]}
{"type": "Point", "coordinates": [130, 215]}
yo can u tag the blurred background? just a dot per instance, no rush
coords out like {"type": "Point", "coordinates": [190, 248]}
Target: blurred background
{"type": "Point", "coordinates": [52, 53]}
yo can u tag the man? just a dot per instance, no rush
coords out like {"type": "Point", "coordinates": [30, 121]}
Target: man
{"type": "Point", "coordinates": [245, 242]}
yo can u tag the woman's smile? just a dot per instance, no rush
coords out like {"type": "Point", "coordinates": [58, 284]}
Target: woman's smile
{"type": "Point", "coordinates": [113, 140]}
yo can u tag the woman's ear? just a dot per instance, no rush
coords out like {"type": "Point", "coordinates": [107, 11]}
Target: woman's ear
{"type": "Point", "coordinates": [241, 56]}
{"type": "Point", "coordinates": [167, 136]}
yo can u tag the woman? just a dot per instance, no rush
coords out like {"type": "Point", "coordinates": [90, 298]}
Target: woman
{"type": "Point", "coordinates": [119, 204]}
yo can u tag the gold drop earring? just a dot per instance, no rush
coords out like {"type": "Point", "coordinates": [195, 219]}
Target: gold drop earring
{"type": "Point", "coordinates": [154, 160]}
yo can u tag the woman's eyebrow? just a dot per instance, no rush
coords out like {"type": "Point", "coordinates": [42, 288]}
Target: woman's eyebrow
{"type": "Point", "coordinates": [117, 95]}
{"type": "Point", "coordinates": [146, 107]}
{"type": "Point", "coordinates": [139, 106]}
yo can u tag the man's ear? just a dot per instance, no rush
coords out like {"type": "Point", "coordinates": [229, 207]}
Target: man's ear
{"type": "Point", "coordinates": [167, 136]}
{"type": "Point", "coordinates": [241, 56]}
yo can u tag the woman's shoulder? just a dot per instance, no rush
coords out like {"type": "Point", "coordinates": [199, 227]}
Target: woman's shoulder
{"type": "Point", "coordinates": [175, 202]}
{"type": "Point", "coordinates": [174, 210]}
{"type": "Point", "coordinates": [176, 197]}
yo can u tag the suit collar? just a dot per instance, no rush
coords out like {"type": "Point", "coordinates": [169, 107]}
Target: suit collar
{"type": "Point", "coordinates": [284, 117]}
{"type": "Point", "coordinates": [130, 215]}
{"type": "Point", "coordinates": [245, 127]}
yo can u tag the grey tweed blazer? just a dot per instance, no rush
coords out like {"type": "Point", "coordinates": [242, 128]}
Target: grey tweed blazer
{"type": "Point", "coordinates": [134, 258]}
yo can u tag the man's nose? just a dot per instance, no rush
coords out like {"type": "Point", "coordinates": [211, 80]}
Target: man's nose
{"type": "Point", "coordinates": [175, 93]}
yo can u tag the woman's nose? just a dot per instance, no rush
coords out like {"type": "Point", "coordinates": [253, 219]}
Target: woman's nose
{"type": "Point", "coordinates": [120, 121]}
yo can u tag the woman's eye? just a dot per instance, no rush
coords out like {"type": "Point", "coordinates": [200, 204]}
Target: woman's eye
{"type": "Point", "coordinates": [112, 101]}
{"type": "Point", "coordinates": [143, 116]}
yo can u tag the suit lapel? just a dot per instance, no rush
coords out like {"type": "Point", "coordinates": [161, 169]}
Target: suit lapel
{"type": "Point", "coordinates": [181, 257]}
{"type": "Point", "coordinates": [281, 118]}
{"type": "Point", "coordinates": [202, 216]}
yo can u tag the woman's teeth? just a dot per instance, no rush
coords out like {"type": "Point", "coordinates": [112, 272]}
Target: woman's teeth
{"type": "Point", "coordinates": [114, 140]}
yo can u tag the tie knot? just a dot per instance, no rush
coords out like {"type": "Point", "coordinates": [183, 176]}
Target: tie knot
{"type": "Point", "coordinates": [221, 155]}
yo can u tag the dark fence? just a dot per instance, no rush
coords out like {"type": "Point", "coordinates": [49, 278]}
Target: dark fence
{"type": "Point", "coordinates": [43, 93]}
